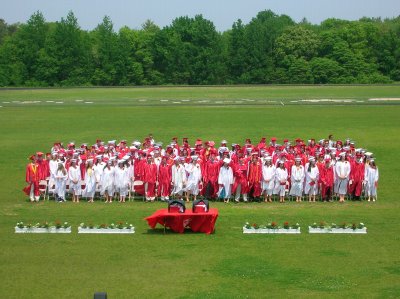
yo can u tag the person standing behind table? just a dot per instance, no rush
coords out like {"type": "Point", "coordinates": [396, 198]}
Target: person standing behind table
{"type": "Point", "coordinates": [90, 181]}
{"type": "Point", "coordinates": [312, 177]}
{"type": "Point", "coordinates": [60, 180]}
{"type": "Point", "coordinates": [342, 169]}
{"type": "Point", "coordinates": [74, 175]}
{"type": "Point", "coordinates": [297, 179]}
{"type": "Point", "coordinates": [194, 171]}
{"type": "Point", "coordinates": [268, 179]}
{"type": "Point", "coordinates": [371, 180]}
{"type": "Point", "coordinates": [121, 179]}
{"type": "Point", "coordinates": [327, 178]}
{"type": "Point", "coordinates": [240, 186]}
{"type": "Point", "coordinates": [281, 175]}
{"type": "Point", "coordinates": [178, 181]}
{"type": "Point", "coordinates": [210, 176]}
{"type": "Point", "coordinates": [32, 177]}
{"type": "Point", "coordinates": [107, 182]}
{"type": "Point", "coordinates": [225, 179]}
{"type": "Point", "coordinates": [164, 179]}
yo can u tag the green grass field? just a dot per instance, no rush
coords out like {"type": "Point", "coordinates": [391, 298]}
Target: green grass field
{"type": "Point", "coordinates": [226, 264]}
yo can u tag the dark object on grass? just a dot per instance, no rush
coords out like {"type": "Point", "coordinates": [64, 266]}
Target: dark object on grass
{"type": "Point", "coordinates": [100, 295]}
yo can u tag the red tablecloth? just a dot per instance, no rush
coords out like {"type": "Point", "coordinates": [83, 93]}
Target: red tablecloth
{"type": "Point", "coordinates": [197, 222]}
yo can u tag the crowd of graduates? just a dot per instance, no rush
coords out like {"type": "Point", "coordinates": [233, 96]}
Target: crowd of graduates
{"type": "Point", "coordinates": [300, 170]}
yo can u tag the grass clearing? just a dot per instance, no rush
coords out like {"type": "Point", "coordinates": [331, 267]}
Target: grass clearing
{"type": "Point", "coordinates": [226, 264]}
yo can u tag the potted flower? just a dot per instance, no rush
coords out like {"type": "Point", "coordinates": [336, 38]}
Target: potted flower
{"type": "Point", "coordinates": [119, 228]}
{"type": "Point", "coordinates": [44, 227]}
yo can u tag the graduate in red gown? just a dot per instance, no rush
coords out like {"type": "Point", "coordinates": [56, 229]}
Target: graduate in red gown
{"type": "Point", "coordinates": [32, 177]}
{"type": "Point", "coordinates": [357, 174]}
{"type": "Point", "coordinates": [240, 185]}
{"type": "Point", "coordinates": [255, 176]}
{"type": "Point", "coordinates": [211, 172]}
{"type": "Point", "coordinates": [150, 178]}
{"type": "Point", "coordinates": [164, 179]}
{"type": "Point", "coordinates": [326, 178]}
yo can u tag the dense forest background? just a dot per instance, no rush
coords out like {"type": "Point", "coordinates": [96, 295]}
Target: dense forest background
{"type": "Point", "coordinates": [270, 49]}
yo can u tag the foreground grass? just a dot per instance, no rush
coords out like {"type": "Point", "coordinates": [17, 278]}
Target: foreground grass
{"type": "Point", "coordinates": [226, 264]}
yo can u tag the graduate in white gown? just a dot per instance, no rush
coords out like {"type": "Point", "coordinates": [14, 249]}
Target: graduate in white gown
{"type": "Point", "coordinates": [342, 169]}
{"type": "Point", "coordinates": [74, 175]}
{"type": "Point", "coordinates": [90, 181]}
{"type": "Point", "coordinates": [281, 176]}
{"type": "Point", "coordinates": [179, 179]}
{"type": "Point", "coordinates": [53, 165]}
{"type": "Point", "coordinates": [60, 180]}
{"type": "Point", "coordinates": [312, 176]}
{"type": "Point", "coordinates": [121, 179]}
{"type": "Point", "coordinates": [193, 170]}
{"type": "Point", "coordinates": [107, 182]}
{"type": "Point", "coordinates": [268, 179]}
{"type": "Point", "coordinates": [371, 180]}
{"type": "Point", "coordinates": [225, 179]}
{"type": "Point", "coordinates": [297, 179]}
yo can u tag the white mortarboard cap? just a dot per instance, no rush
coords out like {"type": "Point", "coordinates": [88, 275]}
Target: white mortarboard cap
{"type": "Point", "coordinates": [226, 160]}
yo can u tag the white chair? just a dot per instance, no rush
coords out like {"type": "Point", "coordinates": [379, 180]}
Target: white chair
{"type": "Point", "coordinates": [133, 187]}
{"type": "Point", "coordinates": [43, 188]}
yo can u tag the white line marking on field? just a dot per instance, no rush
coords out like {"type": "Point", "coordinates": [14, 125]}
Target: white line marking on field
{"type": "Point", "coordinates": [384, 99]}
{"type": "Point", "coordinates": [163, 100]}
{"type": "Point", "coordinates": [177, 102]}
{"type": "Point", "coordinates": [282, 103]}
{"type": "Point", "coordinates": [88, 102]}
{"type": "Point", "coordinates": [143, 100]}
{"type": "Point", "coordinates": [1, 106]}
{"type": "Point", "coordinates": [59, 102]}
{"type": "Point", "coordinates": [218, 102]}
{"type": "Point", "coordinates": [49, 101]}
{"type": "Point", "coordinates": [78, 100]}
{"type": "Point", "coordinates": [15, 101]}
{"type": "Point", "coordinates": [6, 102]}
{"type": "Point", "coordinates": [185, 100]}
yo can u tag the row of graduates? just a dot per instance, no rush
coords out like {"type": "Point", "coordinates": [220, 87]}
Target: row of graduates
{"type": "Point", "coordinates": [217, 177]}
{"type": "Point", "coordinates": [247, 164]}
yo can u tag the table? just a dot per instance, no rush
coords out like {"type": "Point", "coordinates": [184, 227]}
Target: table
{"type": "Point", "coordinates": [197, 222]}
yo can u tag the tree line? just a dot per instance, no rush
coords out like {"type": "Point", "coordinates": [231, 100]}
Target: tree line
{"type": "Point", "coordinates": [270, 49]}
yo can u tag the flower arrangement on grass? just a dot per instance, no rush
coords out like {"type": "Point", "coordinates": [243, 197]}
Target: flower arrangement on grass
{"type": "Point", "coordinates": [45, 224]}
{"type": "Point", "coordinates": [343, 225]}
{"type": "Point", "coordinates": [272, 225]}
{"type": "Point", "coordinates": [119, 225]}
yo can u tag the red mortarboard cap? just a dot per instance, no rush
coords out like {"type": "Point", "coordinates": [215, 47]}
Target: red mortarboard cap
{"type": "Point", "coordinates": [83, 157]}
{"type": "Point", "coordinates": [32, 158]}
{"type": "Point", "coordinates": [39, 154]}
{"type": "Point", "coordinates": [339, 142]}
{"type": "Point", "coordinates": [273, 139]}
{"type": "Point", "coordinates": [286, 140]}
{"type": "Point", "coordinates": [198, 142]}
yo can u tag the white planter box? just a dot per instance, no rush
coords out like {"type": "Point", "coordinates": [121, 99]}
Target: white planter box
{"type": "Point", "coordinates": [271, 231]}
{"type": "Point", "coordinates": [106, 230]}
{"type": "Point", "coordinates": [312, 230]}
{"type": "Point", "coordinates": [41, 230]}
